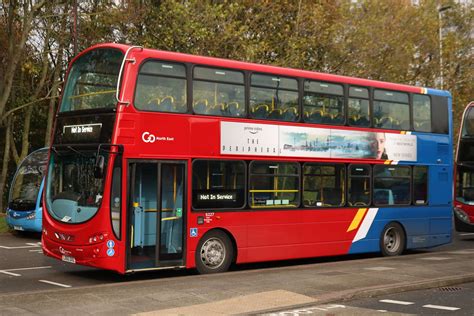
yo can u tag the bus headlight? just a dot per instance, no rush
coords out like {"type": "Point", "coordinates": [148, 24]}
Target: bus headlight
{"type": "Point", "coordinates": [461, 215]}
{"type": "Point", "coordinates": [31, 216]}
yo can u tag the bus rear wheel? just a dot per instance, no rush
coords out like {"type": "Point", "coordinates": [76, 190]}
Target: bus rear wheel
{"type": "Point", "coordinates": [214, 253]}
{"type": "Point", "coordinates": [393, 239]}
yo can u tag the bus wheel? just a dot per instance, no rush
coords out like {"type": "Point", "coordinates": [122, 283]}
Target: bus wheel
{"type": "Point", "coordinates": [214, 252]}
{"type": "Point", "coordinates": [393, 238]}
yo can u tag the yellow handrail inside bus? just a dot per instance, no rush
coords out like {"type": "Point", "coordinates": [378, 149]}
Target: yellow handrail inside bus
{"type": "Point", "coordinates": [91, 94]}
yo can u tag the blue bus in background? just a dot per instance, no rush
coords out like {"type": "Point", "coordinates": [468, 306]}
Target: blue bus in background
{"type": "Point", "coordinates": [24, 212]}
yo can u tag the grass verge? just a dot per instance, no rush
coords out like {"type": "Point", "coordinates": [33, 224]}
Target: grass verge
{"type": "Point", "coordinates": [3, 224]}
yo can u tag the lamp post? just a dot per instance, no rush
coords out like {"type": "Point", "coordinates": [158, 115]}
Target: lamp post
{"type": "Point", "coordinates": [441, 9]}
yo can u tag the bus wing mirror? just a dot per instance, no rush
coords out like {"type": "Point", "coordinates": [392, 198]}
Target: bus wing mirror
{"type": "Point", "coordinates": [99, 167]}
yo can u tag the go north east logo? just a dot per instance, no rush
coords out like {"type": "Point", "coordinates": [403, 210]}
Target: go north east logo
{"type": "Point", "coordinates": [148, 137]}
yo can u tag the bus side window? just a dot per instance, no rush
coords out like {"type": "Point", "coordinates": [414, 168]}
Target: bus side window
{"type": "Point", "coordinates": [274, 98]}
{"type": "Point", "coordinates": [218, 92]}
{"type": "Point", "coordinates": [358, 107]}
{"type": "Point", "coordinates": [323, 102]}
{"type": "Point", "coordinates": [420, 185]}
{"type": "Point", "coordinates": [218, 184]}
{"type": "Point", "coordinates": [391, 110]}
{"type": "Point", "coordinates": [274, 184]}
{"type": "Point", "coordinates": [421, 113]}
{"type": "Point", "coordinates": [392, 185]}
{"type": "Point", "coordinates": [161, 87]}
{"type": "Point", "coordinates": [359, 183]}
{"type": "Point", "coordinates": [323, 185]}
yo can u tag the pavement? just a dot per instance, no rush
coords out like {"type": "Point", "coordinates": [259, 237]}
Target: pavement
{"type": "Point", "coordinates": [254, 289]}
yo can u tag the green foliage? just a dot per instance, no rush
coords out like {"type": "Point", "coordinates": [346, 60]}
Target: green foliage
{"type": "Point", "coordinates": [3, 224]}
{"type": "Point", "coordinates": [382, 40]}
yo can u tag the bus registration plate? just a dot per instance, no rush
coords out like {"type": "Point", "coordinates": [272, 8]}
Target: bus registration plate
{"type": "Point", "coordinates": [69, 259]}
{"type": "Point", "coordinates": [18, 228]}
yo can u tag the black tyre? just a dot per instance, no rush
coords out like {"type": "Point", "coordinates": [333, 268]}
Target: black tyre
{"type": "Point", "coordinates": [393, 240]}
{"type": "Point", "coordinates": [214, 252]}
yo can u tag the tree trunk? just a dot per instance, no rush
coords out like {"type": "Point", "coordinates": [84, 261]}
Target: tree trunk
{"type": "Point", "coordinates": [6, 160]}
{"type": "Point", "coordinates": [16, 48]}
{"type": "Point", "coordinates": [56, 82]}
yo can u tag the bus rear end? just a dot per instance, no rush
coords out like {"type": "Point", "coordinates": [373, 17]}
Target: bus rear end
{"type": "Point", "coordinates": [464, 186]}
{"type": "Point", "coordinates": [79, 222]}
{"type": "Point", "coordinates": [24, 212]}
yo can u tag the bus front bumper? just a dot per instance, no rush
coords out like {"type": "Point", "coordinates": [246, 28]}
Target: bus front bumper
{"type": "Point", "coordinates": [95, 255]}
{"type": "Point", "coordinates": [29, 222]}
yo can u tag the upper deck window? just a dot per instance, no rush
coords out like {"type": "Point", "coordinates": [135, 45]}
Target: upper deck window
{"type": "Point", "coordinates": [359, 110]}
{"type": "Point", "coordinates": [92, 81]}
{"type": "Point", "coordinates": [161, 87]}
{"type": "Point", "coordinates": [323, 102]}
{"type": "Point", "coordinates": [422, 113]}
{"type": "Point", "coordinates": [391, 110]}
{"type": "Point", "coordinates": [468, 123]}
{"type": "Point", "coordinates": [218, 92]}
{"type": "Point", "coordinates": [274, 98]}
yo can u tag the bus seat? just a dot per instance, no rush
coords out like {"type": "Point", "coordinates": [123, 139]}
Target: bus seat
{"type": "Point", "coordinates": [337, 118]}
{"type": "Point", "coordinates": [332, 196]}
{"type": "Point", "coordinates": [260, 111]}
{"type": "Point", "coordinates": [154, 103]}
{"type": "Point", "coordinates": [354, 119]}
{"type": "Point", "coordinates": [327, 118]}
{"type": "Point", "coordinates": [397, 124]}
{"type": "Point", "coordinates": [232, 108]}
{"type": "Point", "coordinates": [316, 116]}
{"type": "Point", "coordinates": [275, 114]}
{"type": "Point", "coordinates": [166, 104]}
{"type": "Point", "coordinates": [200, 106]}
{"type": "Point", "coordinates": [385, 122]}
{"type": "Point", "coordinates": [217, 109]}
{"type": "Point", "coordinates": [306, 115]}
{"type": "Point", "coordinates": [290, 114]}
{"type": "Point", "coordinates": [363, 121]}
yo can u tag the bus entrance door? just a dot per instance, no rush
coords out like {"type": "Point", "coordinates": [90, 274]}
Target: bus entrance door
{"type": "Point", "coordinates": [156, 214]}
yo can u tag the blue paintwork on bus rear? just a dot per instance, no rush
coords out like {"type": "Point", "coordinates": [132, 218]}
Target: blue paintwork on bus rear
{"type": "Point", "coordinates": [425, 226]}
{"type": "Point", "coordinates": [25, 220]}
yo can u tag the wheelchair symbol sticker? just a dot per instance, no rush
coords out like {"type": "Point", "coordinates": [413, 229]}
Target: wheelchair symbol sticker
{"type": "Point", "coordinates": [193, 232]}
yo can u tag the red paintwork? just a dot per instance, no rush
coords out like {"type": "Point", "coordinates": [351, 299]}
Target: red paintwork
{"type": "Point", "coordinates": [260, 236]}
{"type": "Point", "coordinates": [469, 209]}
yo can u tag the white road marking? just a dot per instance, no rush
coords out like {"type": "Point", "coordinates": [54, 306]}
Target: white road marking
{"type": "Point", "coordinates": [382, 310]}
{"type": "Point", "coordinates": [435, 258]}
{"type": "Point", "coordinates": [467, 234]}
{"type": "Point", "coordinates": [55, 283]}
{"type": "Point", "coordinates": [462, 252]}
{"type": "Point", "coordinates": [9, 273]}
{"type": "Point", "coordinates": [445, 308]}
{"type": "Point", "coordinates": [396, 302]}
{"type": "Point", "coordinates": [32, 268]}
{"type": "Point", "coordinates": [306, 311]}
{"type": "Point", "coordinates": [36, 244]}
{"type": "Point", "coordinates": [19, 247]}
{"type": "Point", "coordinates": [35, 250]}
{"type": "Point", "coordinates": [379, 268]}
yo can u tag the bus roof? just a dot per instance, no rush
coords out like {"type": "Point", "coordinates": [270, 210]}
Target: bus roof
{"type": "Point", "coordinates": [291, 72]}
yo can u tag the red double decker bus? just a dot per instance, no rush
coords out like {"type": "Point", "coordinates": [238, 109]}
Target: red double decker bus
{"type": "Point", "coordinates": [464, 185]}
{"type": "Point", "coordinates": [167, 160]}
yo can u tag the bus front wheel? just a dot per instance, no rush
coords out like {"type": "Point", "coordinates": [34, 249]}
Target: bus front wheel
{"type": "Point", "coordinates": [393, 238]}
{"type": "Point", "coordinates": [214, 252]}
